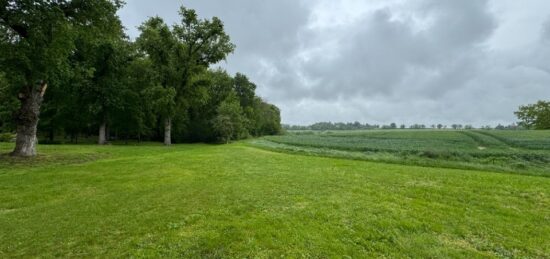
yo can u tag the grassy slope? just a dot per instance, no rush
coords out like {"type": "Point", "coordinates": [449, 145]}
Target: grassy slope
{"type": "Point", "coordinates": [235, 200]}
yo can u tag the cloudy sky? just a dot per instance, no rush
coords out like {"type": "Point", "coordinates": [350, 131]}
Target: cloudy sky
{"type": "Point", "coordinates": [382, 61]}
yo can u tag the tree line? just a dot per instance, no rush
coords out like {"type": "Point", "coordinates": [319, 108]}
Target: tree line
{"type": "Point", "coordinates": [67, 68]}
{"type": "Point", "coordinates": [359, 126]}
{"type": "Point", "coordinates": [532, 116]}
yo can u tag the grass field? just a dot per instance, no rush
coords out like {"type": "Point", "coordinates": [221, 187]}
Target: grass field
{"type": "Point", "coordinates": [524, 152]}
{"type": "Point", "coordinates": [241, 201]}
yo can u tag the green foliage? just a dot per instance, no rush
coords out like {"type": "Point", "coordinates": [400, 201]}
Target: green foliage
{"type": "Point", "coordinates": [38, 37]}
{"type": "Point", "coordinates": [180, 56]}
{"type": "Point", "coordinates": [535, 116]}
{"type": "Point", "coordinates": [235, 201]}
{"type": "Point", "coordinates": [244, 90]}
{"type": "Point", "coordinates": [209, 121]}
{"type": "Point", "coordinates": [8, 105]}
{"type": "Point", "coordinates": [266, 119]}
{"type": "Point", "coordinates": [97, 76]}
{"type": "Point", "coordinates": [230, 121]}
{"type": "Point", "coordinates": [140, 103]}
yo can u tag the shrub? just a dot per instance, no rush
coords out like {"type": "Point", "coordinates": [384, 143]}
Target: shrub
{"type": "Point", "coordinates": [7, 137]}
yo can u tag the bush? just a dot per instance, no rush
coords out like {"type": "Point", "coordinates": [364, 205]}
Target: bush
{"type": "Point", "coordinates": [7, 137]}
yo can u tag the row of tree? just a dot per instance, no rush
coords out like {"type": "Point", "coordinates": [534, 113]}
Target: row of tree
{"type": "Point", "coordinates": [531, 116]}
{"type": "Point", "coordinates": [98, 82]}
{"type": "Point", "coordinates": [358, 126]}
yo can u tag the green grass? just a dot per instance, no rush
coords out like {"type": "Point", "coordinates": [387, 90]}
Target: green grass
{"type": "Point", "coordinates": [240, 201]}
{"type": "Point", "coordinates": [523, 152]}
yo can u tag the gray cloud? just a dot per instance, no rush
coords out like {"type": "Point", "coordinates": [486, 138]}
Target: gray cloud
{"type": "Point", "coordinates": [425, 61]}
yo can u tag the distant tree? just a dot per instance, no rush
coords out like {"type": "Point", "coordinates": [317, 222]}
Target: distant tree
{"type": "Point", "coordinates": [417, 126]}
{"type": "Point", "coordinates": [440, 126]}
{"type": "Point", "coordinates": [402, 126]}
{"type": "Point", "coordinates": [534, 116]}
{"type": "Point", "coordinates": [393, 126]}
{"type": "Point", "coordinates": [513, 126]}
{"type": "Point", "coordinates": [468, 127]}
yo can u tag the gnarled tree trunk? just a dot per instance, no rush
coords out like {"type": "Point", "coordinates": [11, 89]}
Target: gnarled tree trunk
{"type": "Point", "coordinates": [26, 119]}
{"type": "Point", "coordinates": [167, 131]}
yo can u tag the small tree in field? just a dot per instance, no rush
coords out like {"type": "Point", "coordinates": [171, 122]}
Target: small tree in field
{"type": "Point", "coordinates": [534, 116]}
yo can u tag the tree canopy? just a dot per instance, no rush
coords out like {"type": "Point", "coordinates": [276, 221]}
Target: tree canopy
{"type": "Point", "coordinates": [99, 83]}
{"type": "Point", "coordinates": [535, 116]}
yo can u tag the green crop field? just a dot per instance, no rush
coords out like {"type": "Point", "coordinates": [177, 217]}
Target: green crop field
{"type": "Point", "coordinates": [238, 200]}
{"type": "Point", "coordinates": [524, 152]}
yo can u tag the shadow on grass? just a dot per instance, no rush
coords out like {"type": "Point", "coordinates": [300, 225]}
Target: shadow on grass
{"type": "Point", "coordinates": [40, 160]}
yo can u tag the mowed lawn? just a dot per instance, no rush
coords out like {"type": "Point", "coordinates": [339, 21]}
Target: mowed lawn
{"type": "Point", "coordinates": [239, 201]}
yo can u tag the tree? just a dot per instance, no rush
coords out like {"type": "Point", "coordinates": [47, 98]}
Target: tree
{"type": "Point", "coordinates": [230, 121]}
{"type": "Point", "coordinates": [534, 116]}
{"type": "Point", "coordinates": [268, 118]}
{"type": "Point", "coordinates": [36, 39]}
{"type": "Point", "coordinates": [200, 116]}
{"type": "Point", "coordinates": [107, 85]}
{"type": "Point", "coordinates": [136, 115]}
{"type": "Point", "coordinates": [244, 90]}
{"type": "Point", "coordinates": [179, 54]}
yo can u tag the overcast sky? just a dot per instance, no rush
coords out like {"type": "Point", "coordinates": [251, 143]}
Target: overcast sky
{"type": "Point", "coordinates": [382, 61]}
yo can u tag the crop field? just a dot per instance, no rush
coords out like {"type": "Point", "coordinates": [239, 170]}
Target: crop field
{"type": "Point", "coordinates": [239, 201]}
{"type": "Point", "coordinates": [526, 152]}
{"type": "Point", "coordinates": [535, 140]}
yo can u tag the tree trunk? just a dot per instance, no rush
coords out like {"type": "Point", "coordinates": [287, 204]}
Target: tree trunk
{"type": "Point", "coordinates": [26, 119]}
{"type": "Point", "coordinates": [167, 131]}
{"type": "Point", "coordinates": [102, 133]}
